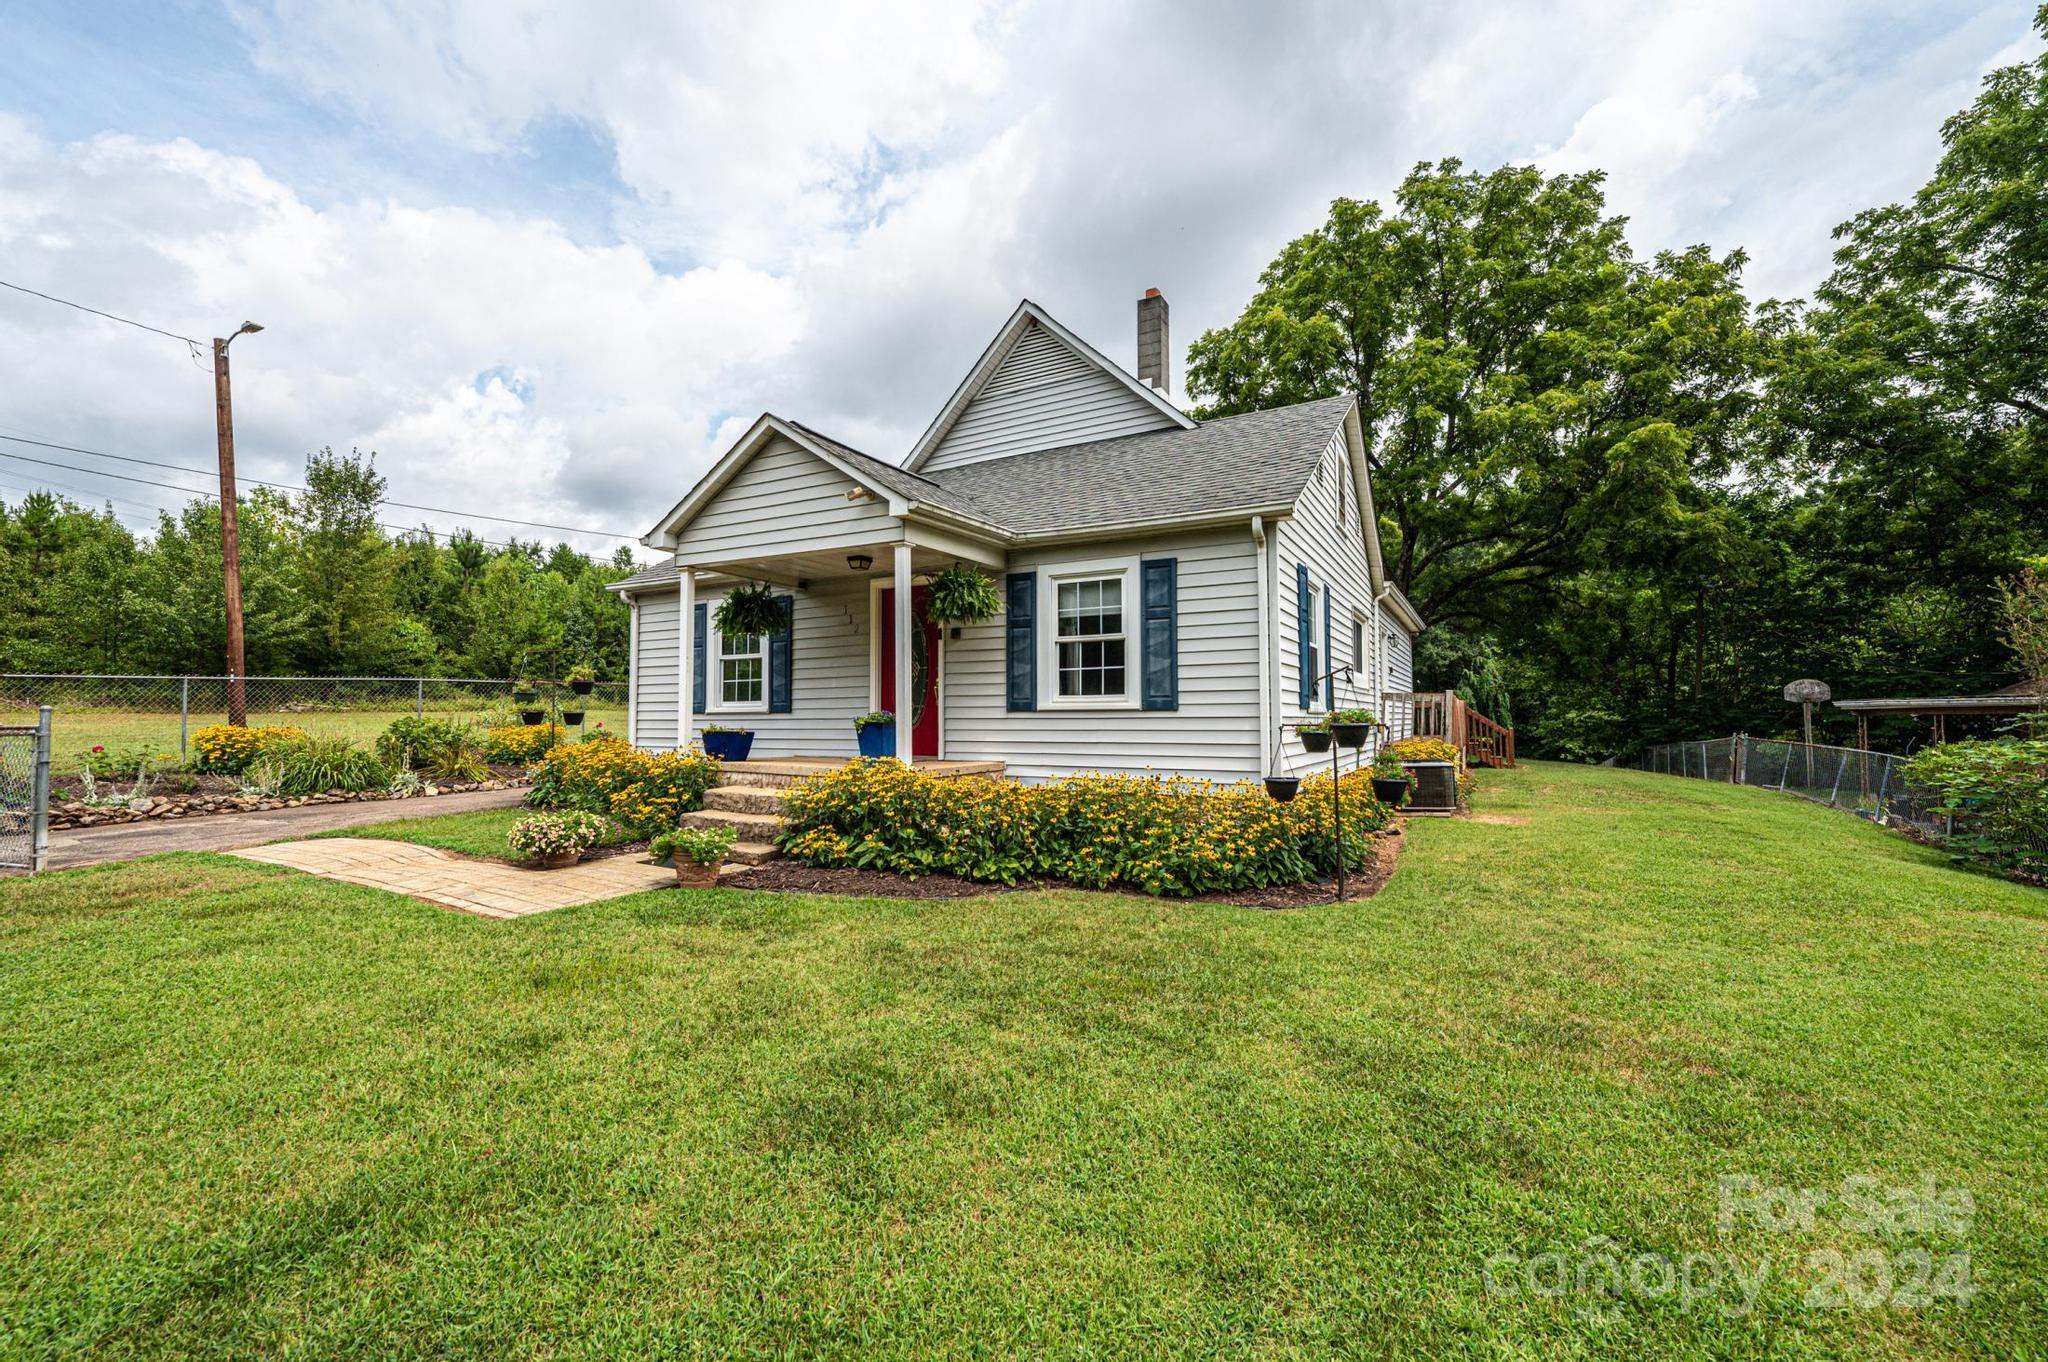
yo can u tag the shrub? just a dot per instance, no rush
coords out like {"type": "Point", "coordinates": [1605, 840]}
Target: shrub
{"type": "Point", "coordinates": [320, 765]}
{"type": "Point", "coordinates": [104, 762]}
{"type": "Point", "coordinates": [520, 744]}
{"type": "Point", "coordinates": [705, 846]}
{"type": "Point", "coordinates": [646, 793]}
{"type": "Point", "coordinates": [227, 749]}
{"type": "Point", "coordinates": [450, 765]}
{"type": "Point", "coordinates": [1997, 793]}
{"type": "Point", "coordinates": [540, 835]}
{"type": "Point", "coordinates": [1422, 749]}
{"type": "Point", "coordinates": [412, 744]}
{"type": "Point", "coordinates": [1159, 835]}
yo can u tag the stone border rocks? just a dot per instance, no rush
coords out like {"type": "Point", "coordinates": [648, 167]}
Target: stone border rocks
{"type": "Point", "coordinates": [76, 813]}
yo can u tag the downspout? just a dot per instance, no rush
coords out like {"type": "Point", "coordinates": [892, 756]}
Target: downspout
{"type": "Point", "coordinates": [1265, 645]}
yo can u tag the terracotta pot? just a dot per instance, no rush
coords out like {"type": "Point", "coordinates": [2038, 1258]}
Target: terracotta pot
{"type": "Point", "coordinates": [561, 860]}
{"type": "Point", "coordinates": [694, 875]}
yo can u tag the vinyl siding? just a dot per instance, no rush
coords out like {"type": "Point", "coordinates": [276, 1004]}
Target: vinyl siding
{"type": "Point", "coordinates": [1213, 733]}
{"type": "Point", "coordinates": [785, 500]}
{"type": "Point", "coordinates": [828, 674]}
{"type": "Point", "coordinates": [654, 672]}
{"type": "Point", "coordinates": [1041, 396]}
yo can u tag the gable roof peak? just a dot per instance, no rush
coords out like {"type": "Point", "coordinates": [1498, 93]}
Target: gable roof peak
{"type": "Point", "coordinates": [1027, 316]}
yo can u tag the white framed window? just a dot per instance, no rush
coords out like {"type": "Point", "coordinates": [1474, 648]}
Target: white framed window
{"type": "Point", "coordinates": [1358, 644]}
{"type": "Point", "coordinates": [1318, 645]}
{"type": "Point", "coordinates": [1090, 653]}
{"type": "Point", "coordinates": [742, 676]}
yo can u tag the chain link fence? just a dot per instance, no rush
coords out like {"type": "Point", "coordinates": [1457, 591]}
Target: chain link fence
{"type": "Point", "coordinates": [1869, 784]}
{"type": "Point", "coordinates": [24, 794]}
{"type": "Point", "coordinates": [159, 714]}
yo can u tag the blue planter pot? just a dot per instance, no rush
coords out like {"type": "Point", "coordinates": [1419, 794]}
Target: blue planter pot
{"type": "Point", "coordinates": [729, 746]}
{"type": "Point", "coordinates": [877, 740]}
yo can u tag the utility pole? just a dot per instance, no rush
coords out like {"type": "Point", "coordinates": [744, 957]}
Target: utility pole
{"type": "Point", "coordinates": [230, 535]}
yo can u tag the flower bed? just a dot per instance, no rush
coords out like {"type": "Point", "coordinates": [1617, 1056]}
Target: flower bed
{"type": "Point", "coordinates": [74, 813]}
{"type": "Point", "coordinates": [647, 793]}
{"type": "Point", "coordinates": [1157, 835]}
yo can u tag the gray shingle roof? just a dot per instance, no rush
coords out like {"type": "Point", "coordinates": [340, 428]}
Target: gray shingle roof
{"type": "Point", "coordinates": [904, 483]}
{"type": "Point", "coordinates": [1261, 458]}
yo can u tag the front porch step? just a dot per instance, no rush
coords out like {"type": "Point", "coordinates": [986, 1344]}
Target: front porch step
{"type": "Point", "coordinates": [752, 827]}
{"type": "Point", "coordinates": [744, 799]}
{"type": "Point", "coordinates": [751, 853]}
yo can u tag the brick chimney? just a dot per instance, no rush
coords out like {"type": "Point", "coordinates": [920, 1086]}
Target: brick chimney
{"type": "Point", "coordinates": [1152, 352]}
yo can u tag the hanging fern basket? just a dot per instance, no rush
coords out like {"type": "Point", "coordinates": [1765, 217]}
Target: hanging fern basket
{"type": "Point", "coordinates": [962, 595]}
{"type": "Point", "coordinates": [750, 609]}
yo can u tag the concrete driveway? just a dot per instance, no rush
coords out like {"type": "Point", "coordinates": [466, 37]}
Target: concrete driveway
{"type": "Point", "coordinates": [74, 847]}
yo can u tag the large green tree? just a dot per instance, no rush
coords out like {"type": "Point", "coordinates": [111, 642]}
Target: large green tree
{"type": "Point", "coordinates": [1533, 397]}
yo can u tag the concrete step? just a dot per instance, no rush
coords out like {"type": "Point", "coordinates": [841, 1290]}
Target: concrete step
{"type": "Point", "coordinates": [751, 853]}
{"type": "Point", "coordinates": [752, 827]}
{"type": "Point", "coordinates": [744, 799]}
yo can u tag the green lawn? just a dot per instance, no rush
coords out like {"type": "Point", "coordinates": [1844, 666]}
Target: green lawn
{"type": "Point", "coordinates": [249, 1111]}
{"type": "Point", "coordinates": [481, 833]}
{"type": "Point", "coordinates": [75, 732]}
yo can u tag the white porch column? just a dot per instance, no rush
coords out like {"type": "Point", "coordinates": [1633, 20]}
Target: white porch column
{"type": "Point", "coordinates": [904, 701]}
{"type": "Point", "coordinates": [686, 628]}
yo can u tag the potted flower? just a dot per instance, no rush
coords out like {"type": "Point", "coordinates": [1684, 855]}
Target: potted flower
{"type": "Point", "coordinates": [573, 718]}
{"type": "Point", "coordinates": [876, 732]}
{"type": "Point", "coordinates": [1283, 788]}
{"type": "Point", "coordinates": [728, 744]}
{"type": "Point", "coordinates": [1350, 726]}
{"type": "Point", "coordinates": [551, 841]}
{"type": "Point", "coordinates": [523, 691]}
{"type": "Point", "coordinates": [696, 853]}
{"type": "Point", "coordinates": [532, 717]}
{"type": "Point", "coordinates": [1389, 781]}
{"type": "Point", "coordinates": [582, 678]}
{"type": "Point", "coordinates": [1315, 735]}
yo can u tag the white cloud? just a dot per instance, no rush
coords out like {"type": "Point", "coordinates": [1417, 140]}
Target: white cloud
{"type": "Point", "coordinates": [860, 192]}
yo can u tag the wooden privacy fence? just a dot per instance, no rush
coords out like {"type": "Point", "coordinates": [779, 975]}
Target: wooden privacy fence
{"type": "Point", "coordinates": [1442, 714]}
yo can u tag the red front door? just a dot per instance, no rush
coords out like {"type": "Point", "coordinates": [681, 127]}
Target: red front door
{"type": "Point", "coordinates": [920, 727]}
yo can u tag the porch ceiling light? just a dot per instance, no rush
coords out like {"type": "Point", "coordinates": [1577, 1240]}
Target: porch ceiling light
{"type": "Point", "coordinates": [860, 562]}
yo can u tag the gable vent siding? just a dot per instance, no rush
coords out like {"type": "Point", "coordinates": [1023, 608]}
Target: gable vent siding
{"type": "Point", "coordinates": [1043, 395]}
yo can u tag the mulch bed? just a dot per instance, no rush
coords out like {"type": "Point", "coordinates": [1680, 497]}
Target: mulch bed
{"type": "Point", "coordinates": [788, 877]}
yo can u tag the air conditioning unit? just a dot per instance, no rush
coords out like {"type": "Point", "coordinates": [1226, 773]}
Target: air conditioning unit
{"type": "Point", "coordinates": [1436, 786]}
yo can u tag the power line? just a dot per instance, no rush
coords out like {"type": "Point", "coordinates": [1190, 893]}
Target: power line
{"type": "Point", "coordinates": [215, 496]}
{"type": "Point", "coordinates": [293, 487]}
{"type": "Point", "coordinates": [125, 321]}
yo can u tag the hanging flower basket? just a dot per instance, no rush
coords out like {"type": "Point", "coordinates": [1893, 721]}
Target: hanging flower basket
{"type": "Point", "coordinates": [750, 609]}
{"type": "Point", "coordinates": [573, 717]}
{"type": "Point", "coordinates": [1314, 737]}
{"type": "Point", "coordinates": [582, 679]}
{"type": "Point", "coordinates": [1283, 788]}
{"type": "Point", "coordinates": [1351, 726]}
{"type": "Point", "coordinates": [532, 717]}
{"type": "Point", "coordinates": [962, 595]}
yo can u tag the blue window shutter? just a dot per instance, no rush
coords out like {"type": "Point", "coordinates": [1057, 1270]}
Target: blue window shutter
{"type": "Point", "coordinates": [1160, 646]}
{"type": "Point", "coordinates": [1020, 633]}
{"type": "Point", "coordinates": [1307, 635]}
{"type": "Point", "coordinates": [779, 648]}
{"type": "Point", "coordinates": [697, 659]}
{"type": "Point", "coordinates": [1329, 664]}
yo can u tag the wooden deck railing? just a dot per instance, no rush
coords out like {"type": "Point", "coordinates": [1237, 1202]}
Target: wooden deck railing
{"type": "Point", "coordinates": [1441, 714]}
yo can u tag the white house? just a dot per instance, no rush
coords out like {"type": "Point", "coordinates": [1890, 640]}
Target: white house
{"type": "Point", "coordinates": [1173, 587]}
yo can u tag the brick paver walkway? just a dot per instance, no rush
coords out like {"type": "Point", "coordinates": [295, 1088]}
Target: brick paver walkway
{"type": "Point", "coordinates": [486, 888]}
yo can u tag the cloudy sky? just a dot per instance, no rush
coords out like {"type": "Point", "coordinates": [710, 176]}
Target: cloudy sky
{"type": "Point", "coordinates": [548, 259]}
